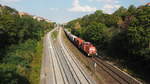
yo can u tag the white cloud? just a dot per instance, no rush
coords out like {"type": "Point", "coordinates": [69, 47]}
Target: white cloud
{"type": "Point", "coordinates": [109, 8]}
{"type": "Point", "coordinates": [9, 1]}
{"type": "Point", "coordinates": [108, 5]}
{"type": "Point", "coordinates": [78, 8]}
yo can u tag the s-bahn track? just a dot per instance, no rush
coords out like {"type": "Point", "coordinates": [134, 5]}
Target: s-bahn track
{"type": "Point", "coordinates": [51, 58]}
{"type": "Point", "coordinates": [65, 72]}
{"type": "Point", "coordinates": [66, 66]}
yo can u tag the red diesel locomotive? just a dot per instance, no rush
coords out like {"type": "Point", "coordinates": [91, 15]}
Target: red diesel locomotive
{"type": "Point", "coordinates": [87, 47]}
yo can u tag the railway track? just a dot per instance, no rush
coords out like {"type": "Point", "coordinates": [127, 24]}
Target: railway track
{"type": "Point", "coordinates": [47, 63]}
{"type": "Point", "coordinates": [115, 76]}
{"type": "Point", "coordinates": [75, 62]}
{"type": "Point", "coordinates": [58, 65]}
{"type": "Point", "coordinates": [51, 54]}
{"type": "Point", "coordinates": [64, 65]}
{"type": "Point", "coordinates": [118, 75]}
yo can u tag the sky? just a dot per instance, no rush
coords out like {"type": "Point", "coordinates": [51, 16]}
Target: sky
{"type": "Point", "coordinates": [62, 11]}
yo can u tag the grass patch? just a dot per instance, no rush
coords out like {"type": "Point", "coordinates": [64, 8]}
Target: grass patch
{"type": "Point", "coordinates": [54, 34]}
{"type": "Point", "coordinates": [36, 64]}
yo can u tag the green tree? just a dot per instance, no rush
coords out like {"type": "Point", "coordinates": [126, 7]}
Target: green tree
{"type": "Point", "coordinates": [132, 9]}
{"type": "Point", "coordinates": [97, 34]}
{"type": "Point", "coordinates": [9, 75]}
{"type": "Point", "coordinates": [121, 12]}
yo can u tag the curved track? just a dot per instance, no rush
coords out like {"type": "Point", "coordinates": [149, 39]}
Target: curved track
{"type": "Point", "coordinates": [59, 65]}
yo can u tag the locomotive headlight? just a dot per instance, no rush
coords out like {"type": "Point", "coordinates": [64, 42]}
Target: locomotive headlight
{"type": "Point", "coordinates": [92, 49]}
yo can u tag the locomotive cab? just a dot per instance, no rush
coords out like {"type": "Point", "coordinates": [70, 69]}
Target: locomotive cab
{"type": "Point", "coordinates": [89, 49]}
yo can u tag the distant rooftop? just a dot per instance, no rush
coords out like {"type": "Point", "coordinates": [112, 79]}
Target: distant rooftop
{"type": "Point", "coordinates": [148, 4]}
{"type": "Point", "coordinates": [23, 13]}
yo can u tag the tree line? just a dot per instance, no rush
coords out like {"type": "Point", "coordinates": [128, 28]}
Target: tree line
{"type": "Point", "coordinates": [123, 36]}
{"type": "Point", "coordinates": [20, 46]}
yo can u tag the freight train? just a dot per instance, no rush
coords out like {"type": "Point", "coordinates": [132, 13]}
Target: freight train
{"type": "Point", "coordinates": [87, 47]}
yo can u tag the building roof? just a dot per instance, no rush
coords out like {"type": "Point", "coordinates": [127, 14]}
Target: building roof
{"type": "Point", "coordinates": [148, 4]}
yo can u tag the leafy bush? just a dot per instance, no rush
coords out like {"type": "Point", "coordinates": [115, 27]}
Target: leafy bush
{"type": "Point", "coordinates": [9, 75]}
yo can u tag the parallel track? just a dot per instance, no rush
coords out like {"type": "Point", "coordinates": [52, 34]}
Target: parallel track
{"type": "Point", "coordinates": [63, 68]}
{"type": "Point", "coordinates": [75, 61]}
{"type": "Point", "coordinates": [63, 63]}
{"type": "Point", "coordinates": [51, 58]}
{"type": "Point", "coordinates": [117, 74]}
{"type": "Point", "coordinates": [68, 57]}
